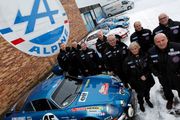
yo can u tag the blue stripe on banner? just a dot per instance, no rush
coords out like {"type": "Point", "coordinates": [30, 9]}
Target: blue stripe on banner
{"type": "Point", "coordinates": [49, 38]}
{"type": "Point", "coordinates": [5, 30]}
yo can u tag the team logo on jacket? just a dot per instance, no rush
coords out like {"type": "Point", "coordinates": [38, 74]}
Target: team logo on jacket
{"type": "Point", "coordinates": [175, 59]}
{"type": "Point", "coordinates": [175, 31]}
{"type": "Point", "coordinates": [147, 38]}
{"type": "Point", "coordinates": [36, 27]}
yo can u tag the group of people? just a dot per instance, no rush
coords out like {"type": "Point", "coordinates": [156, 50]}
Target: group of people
{"type": "Point", "coordinates": [156, 52]}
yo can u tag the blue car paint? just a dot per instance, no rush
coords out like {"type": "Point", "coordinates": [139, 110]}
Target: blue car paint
{"type": "Point", "coordinates": [112, 25]}
{"type": "Point", "coordinates": [45, 89]}
{"type": "Point", "coordinates": [77, 109]}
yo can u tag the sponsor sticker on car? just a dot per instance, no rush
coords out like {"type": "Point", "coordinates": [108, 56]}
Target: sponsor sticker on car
{"type": "Point", "coordinates": [104, 89]}
{"type": "Point", "coordinates": [83, 97]}
{"type": "Point", "coordinates": [19, 118]}
{"type": "Point", "coordinates": [49, 116]}
{"type": "Point", "coordinates": [91, 109]}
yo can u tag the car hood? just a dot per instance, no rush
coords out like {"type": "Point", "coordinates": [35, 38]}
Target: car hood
{"type": "Point", "coordinates": [98, 91]}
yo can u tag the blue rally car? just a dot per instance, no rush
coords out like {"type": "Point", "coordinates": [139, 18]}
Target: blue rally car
{"type": "Point", "coordinates": [100, 97]}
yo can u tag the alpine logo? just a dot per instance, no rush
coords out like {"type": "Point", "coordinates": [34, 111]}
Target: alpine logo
{"type": "Point", "coordinates": [36, 27]}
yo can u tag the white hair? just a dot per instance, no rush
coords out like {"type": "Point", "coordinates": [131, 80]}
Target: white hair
{"type": "Point", "coordinates": [134, 44]}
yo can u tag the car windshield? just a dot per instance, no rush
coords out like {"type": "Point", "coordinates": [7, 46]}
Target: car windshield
{"type": "Point", "coordinates": [67, 92]}
{"type": "Point", "coordinates": [94, 36]}
{"type": "Point", "coordinates": [108, 20]}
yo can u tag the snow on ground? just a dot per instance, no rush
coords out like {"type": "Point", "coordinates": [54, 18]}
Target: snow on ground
{"type": "Point", "coordinates": [147, 12]}
{"type": "Point", "coordinates": [159, 112]}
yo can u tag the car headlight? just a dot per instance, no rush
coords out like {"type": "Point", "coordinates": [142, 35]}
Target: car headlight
{"type": "Point", "coordinates": [112, 110]}
{"type": "Point", "coordinates": [121, 91]}
{"type": "Point", "coordinates": [122, 103]}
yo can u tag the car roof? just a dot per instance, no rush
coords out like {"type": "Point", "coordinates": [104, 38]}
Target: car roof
{"type": "Point", "coordinates": [45, 89]}
{"type": "Point", "coordinates": [93, 32]}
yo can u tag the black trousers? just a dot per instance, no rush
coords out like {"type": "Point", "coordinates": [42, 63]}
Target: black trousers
{"type": "Point", "coordinates": [168, 93]}
{"type": "Point", "coordinates": [143, 93]}
{"type": "Point", "coordinates": [166, 89]}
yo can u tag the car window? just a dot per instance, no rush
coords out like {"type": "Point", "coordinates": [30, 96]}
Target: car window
{"type": "Point", "coordinates": [21, 102]}
{"type": "Point", "coordinates": [124, 2]}
{"type": "Point", "coordinates": [28, 107]}
{"type": "Point", "coordinates": [103, 26]}
{"type": "Point", "coordinates": [108, 20]}
{"type": "Point", "coordinates": [66, 92]}
{"type": "Point", "coordinates": [41, 105]}
{"type": "Point", "coordinates": [53, 106]}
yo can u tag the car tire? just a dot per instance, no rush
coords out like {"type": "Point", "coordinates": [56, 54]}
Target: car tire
{"type": "Point", "coordinates": [129, 7]}
{"type": "Point", "coordinates": [130, 112]}
{"type": "Point", "coordinates": [109, 15]}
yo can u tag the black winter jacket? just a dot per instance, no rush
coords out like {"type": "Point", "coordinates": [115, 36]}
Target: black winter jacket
{"type": "Point", "coordinates": [63, 59]}
{"type": "Point", "coordinates": [75, 64]}
{"type": "Point", "coordinates": [101, 45]}
{"type": "Point", "coordinates": [113, 58]}
{"type": "Point", "coordinates": [90, 61]}
{"type": "Point", "coordinates": [165, 64]}
{"type": "Point", "coordinates": [136, 66]}
{"type": "Point", "coordinates": [172, 31]}
{"type": "Point", "coordinates": [144, 38]}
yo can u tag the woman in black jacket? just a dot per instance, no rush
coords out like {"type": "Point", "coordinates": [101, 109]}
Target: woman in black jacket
{"type": "Point", "coordinates": [138, 74]}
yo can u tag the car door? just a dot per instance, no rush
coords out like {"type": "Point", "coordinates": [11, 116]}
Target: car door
{"type": "Point", "coordinates": [43, 109]}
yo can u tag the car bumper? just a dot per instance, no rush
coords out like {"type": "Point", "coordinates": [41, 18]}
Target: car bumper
{"type": "Point", "coordinates": [123, 117]}
{"type": "Point", "coordinates": [129, 114]}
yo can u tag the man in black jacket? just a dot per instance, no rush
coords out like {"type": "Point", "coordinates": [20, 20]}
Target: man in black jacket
{"type": "Point", "coordinates": [74, 66]}
{"type": "Point", "coordinates": [63, 57]}
{"type": "Point", "coordinates": [142, 36]}
{"type": "Point", "coordinates": [114, 56]}
{"type": "Point", "coordinates": [101, 43]}
{"type": "Point", "coordinates": [90, 61]}
{"type": "Point", "coordinates": [165, 64]}
{"type": "Point", "coordinates": [169, 27]}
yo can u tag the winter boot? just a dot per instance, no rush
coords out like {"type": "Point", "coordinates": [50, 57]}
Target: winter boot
{"type": "Point", "coordinates": [149, 103]}
{"type": "Point", "coordinates": [169, 104]}
{"type": "Point", "coordinates": [142, 107]}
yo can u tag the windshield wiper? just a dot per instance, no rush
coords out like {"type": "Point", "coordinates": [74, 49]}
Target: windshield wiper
{"type": "Point", "coordinates": [66, 99]}
{"type": "Point", "coordinates": [74, 78]}
{"type": "Point", "coordinates": [75, 93]}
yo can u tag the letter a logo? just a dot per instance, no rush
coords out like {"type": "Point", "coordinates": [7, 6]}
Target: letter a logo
{"type": "Point", "coordinates": [36, 27]}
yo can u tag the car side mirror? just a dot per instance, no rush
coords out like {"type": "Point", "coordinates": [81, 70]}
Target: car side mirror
{"type": "Point", "coordinates": [8, 114]}
{"type": "Point", "coordinates": [10, 111]}
{"type": "Point", "coordinates": [57, 70]}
